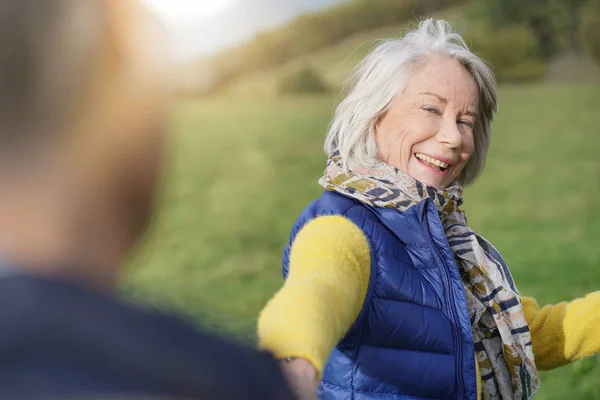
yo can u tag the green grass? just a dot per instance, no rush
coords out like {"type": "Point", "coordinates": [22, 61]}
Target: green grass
{"type": "Point", "coordinates": [241, 171]}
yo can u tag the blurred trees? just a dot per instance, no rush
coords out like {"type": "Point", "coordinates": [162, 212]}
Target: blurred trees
{"type": "Point", "coordinates": [553, 23]}
{"type": "Point", "coordinates": [310, 32]}
{"type": "Point", "coordinates": [590, 28]}
{"type": "Point", "coordinates": [517, 37]}
{"type": "Point", "coordinates": [512, 51]}
{"type": "Point", "coordinates": [302, 80]}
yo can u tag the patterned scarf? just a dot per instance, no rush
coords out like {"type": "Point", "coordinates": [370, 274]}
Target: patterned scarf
{"type": "Point", "coordinates": [500, 332]}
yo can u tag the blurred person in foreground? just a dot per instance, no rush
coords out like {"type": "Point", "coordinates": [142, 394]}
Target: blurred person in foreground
{"type": "Point", "coordinates": [389, 293]}
{"type": "Point", "coordinates": [84, 91]}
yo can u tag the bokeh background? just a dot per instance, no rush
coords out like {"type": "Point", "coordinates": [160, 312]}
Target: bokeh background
{"type": "Point", "coordinates": [257, 84]}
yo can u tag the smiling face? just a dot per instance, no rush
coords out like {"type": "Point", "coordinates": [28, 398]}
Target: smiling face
{"type": "Point", "coordinates": [428, 130]}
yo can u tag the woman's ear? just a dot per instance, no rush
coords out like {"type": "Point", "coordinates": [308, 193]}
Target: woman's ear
{"type": "Point", "coordinates": [378, 120]}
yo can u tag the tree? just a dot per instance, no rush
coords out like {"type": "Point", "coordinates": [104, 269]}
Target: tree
{"type": "Point", "coordinates": [303, 80]}
{"type": "Point", "coordinates": [589, 28]}
{"type": "Point", "coordinates": [551, 21]}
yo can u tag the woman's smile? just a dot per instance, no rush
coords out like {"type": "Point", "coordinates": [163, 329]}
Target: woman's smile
{"type": "Point", "coordinates": [437, 165]}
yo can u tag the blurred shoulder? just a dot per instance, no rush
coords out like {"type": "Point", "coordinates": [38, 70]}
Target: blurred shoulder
{"type": "Point", "coordinates": [135, 349]}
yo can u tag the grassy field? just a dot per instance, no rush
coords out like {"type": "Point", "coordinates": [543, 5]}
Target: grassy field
{"type": "Point", "coordinates": [241, 171]}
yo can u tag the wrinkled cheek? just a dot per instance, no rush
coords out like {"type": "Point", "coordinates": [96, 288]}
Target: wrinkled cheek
{"type": "Point", "coordinates": [404, 152]}
{"type": "Point", "coordinates": [459, 170]}
{"type": "Point", "coordinates": [468, 148]}
{"type": "Point", "coordinates": [399, 155]}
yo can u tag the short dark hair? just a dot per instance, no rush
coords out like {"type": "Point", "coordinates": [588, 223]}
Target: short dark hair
{"type": "Point", "coordinates": [47, 53]}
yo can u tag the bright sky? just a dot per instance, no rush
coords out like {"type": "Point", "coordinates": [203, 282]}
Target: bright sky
{"type": "Point", "coordinates": [201, 27]}
{"type": "Point", "coordinates": [187, 19]}
{"type": "Point", "coordinates": [179, 12]}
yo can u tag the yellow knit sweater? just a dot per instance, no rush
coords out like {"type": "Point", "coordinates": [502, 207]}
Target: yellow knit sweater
{"type": "Point", "coordinates": [327, 284]}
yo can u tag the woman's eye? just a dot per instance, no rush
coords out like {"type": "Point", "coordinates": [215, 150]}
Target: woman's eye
{"type": "Point", "coordinates": [468, 124]}
{"type": "Point", "coordinates": [432, 110]}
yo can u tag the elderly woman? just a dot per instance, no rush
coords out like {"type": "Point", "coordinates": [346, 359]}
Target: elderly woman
{"type": "Point", "coordinates": [389, 293]}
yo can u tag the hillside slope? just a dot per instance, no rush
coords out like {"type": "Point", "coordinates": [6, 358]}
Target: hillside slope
{"type": "Point", "coordinates": [333, 63]}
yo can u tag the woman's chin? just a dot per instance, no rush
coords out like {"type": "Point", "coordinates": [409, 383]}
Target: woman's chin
{"type": "Point", "coordinates": [435, 183]}
{"type": "Point", "coordinates": [430, 177]}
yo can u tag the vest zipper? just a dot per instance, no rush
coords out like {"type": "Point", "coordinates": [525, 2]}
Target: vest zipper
{"type": "Point", "coordinates": [453, 306]}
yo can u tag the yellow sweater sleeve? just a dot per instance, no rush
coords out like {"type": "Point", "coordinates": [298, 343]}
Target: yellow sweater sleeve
{"type": "Point", "coordinates": [565, 332]}
{"type": "Point", "coordinates": [324, 292]}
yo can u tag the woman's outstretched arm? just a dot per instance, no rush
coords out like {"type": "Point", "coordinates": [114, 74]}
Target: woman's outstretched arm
{"type": "Point", "coordinates": [564, 332]}
{"type": "Point", "coordinates": [325, 290]}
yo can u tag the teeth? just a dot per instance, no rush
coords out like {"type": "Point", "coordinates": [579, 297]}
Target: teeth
{"type": "Point", "coordinates": [431, 160]}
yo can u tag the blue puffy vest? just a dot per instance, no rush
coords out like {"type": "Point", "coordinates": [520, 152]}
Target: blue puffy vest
{"type": "Point", "coordinates": [412, 339]}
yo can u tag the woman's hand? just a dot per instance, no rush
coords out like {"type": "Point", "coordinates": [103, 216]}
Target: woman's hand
{"type": "Point", "coordinates": [302, 377]}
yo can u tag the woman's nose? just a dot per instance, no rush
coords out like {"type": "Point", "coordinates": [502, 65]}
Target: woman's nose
{"type": "Point", "coordinates": [450, 133]}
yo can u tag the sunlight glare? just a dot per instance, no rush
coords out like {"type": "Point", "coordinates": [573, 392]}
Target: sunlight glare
{"type": "Point", "coordinates": [182, 11]}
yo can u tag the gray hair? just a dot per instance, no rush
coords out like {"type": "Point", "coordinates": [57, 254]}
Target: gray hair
{"type": "Point", "coordinates": [382, 75]}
